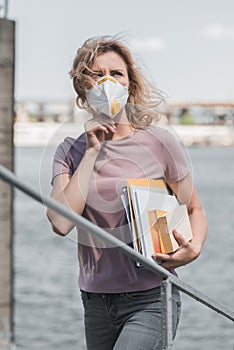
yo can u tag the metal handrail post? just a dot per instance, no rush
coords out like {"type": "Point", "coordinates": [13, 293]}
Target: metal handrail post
{"type": "Point", "coordinates": [166, 308]}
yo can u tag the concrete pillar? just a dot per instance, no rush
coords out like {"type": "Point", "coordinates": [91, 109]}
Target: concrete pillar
{"type": "Point", "coordinates": [7, 58]}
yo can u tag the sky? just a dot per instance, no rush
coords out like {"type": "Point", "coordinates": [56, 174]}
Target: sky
{"type": "Point", "coordinates": [185, 47]}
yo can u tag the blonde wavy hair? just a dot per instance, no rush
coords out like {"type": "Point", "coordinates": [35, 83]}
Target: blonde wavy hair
{"type": "Point", "coordinates": [143, 96]}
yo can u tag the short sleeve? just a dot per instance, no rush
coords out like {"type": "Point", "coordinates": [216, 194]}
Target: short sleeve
{"type": "Point", "coordinates": [175, 163]}
{"type": "Point", "coordinates": [68, 156]}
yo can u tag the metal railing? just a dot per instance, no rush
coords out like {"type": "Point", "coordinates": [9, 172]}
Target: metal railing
{"type": "Point", "coordinates": [167, 278]}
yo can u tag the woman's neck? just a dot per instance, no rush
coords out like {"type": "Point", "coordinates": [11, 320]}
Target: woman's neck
{"type": "Point", "coordinates": [123, 127]}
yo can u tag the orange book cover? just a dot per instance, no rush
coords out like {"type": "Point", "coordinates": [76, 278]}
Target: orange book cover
{"type": "Point", "coordinates": [154, 231]}
{"type": "Point", "coordinates": [166, 222]}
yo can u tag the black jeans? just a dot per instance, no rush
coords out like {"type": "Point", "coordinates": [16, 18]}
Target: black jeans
{"type": "Point", "coordinates": [130, 321]}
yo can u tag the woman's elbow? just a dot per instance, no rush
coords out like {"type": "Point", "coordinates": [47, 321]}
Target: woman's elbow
{"type": "Point", "coordinates": [58, 232]}
{"type": "Point", "coordinates": [59, 225]}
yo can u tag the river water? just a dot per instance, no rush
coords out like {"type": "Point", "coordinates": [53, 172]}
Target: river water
{"type": "Point", "coordinates": [48, 310]}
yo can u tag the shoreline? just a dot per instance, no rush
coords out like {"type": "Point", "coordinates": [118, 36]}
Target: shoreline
{"type": "Point", "coordinates": [36, 134]}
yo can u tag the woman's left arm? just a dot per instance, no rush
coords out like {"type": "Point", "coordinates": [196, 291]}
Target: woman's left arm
{"type": "Point", "coordinates": [187, 251]}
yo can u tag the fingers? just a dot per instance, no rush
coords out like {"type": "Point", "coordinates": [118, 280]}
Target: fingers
{"type": "Point", "coordinates": [97, 132]}
{"type": "Point", "coordinates": [181, 242]}
{"type": "Point", "coordinates": [111, 128]}
{"type": "Point", "coordinates": [170, 265]}
{"type": "Point", "coordinates": [176, 259]}
{"type": "Point", "coordinates": [94, 126]}
{"type": "Point", "coordinates": [166, 260]}
{"type": "Point", "coordinates": [161, 257]}
{"type": "Point", "coordinates": [179, 238]}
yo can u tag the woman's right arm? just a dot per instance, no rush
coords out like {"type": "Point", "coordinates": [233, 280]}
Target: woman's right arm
{"type": "Point", "coordinates": [72, 191]}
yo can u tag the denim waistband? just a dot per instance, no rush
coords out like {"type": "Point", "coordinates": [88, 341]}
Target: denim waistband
{"type": "Point", "coordinates": [156, 291]}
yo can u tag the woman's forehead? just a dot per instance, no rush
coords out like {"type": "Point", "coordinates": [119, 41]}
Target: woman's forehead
{"type": "Point", "coordinates": [109, 60]}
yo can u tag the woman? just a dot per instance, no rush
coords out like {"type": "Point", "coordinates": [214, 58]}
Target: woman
{"type": "Point", "coordinates": [121, 301]}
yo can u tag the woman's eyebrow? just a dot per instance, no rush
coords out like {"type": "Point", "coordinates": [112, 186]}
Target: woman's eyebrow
{"type": "Point", "coordinates": [97, 71]}
{"type": "Point", "coordinates": [120, 69]}
{"type": "Point", "coordinates": [117, 70]}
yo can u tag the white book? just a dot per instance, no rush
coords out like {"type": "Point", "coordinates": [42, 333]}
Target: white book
{"type": "Point", "coordinates": [144, 200]}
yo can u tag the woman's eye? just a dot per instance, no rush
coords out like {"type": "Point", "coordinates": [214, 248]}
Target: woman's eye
{"type": "Point", "coordinates": [97, 75]}
{"type": "Point", "coordinates": [117, 73]}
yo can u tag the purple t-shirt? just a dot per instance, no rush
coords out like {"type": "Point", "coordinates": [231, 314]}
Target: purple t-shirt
{"type": "Point", "coordinates": [152, 152]}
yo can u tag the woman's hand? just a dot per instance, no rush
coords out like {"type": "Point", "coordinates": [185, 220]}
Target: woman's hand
{"type": "Point", "coordinates": [186, 253]}
{"type": "Point", "coordinates": [98, 130]}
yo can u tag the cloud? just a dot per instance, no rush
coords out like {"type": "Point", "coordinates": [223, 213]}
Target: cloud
{"type": "Point", "coordinates": [218, 31]}
{"type": "Point", "coordinates": [148, 44]}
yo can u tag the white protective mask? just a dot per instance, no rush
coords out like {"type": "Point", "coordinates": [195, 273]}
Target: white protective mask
{"type": "Point", "coordinates": [107, 96]}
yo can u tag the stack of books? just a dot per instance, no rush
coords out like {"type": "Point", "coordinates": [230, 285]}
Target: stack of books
{"type": "Point", "coordinates": [153, 212]}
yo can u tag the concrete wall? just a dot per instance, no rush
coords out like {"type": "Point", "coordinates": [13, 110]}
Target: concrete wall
{"type": "Point", "coordinates": [7, 58]}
